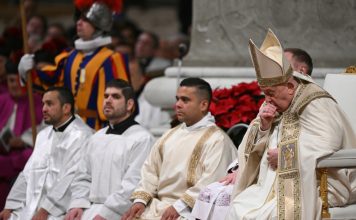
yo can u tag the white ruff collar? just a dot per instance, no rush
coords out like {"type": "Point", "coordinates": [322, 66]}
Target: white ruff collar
{"type": "Point", "coordinates": [91, 45]}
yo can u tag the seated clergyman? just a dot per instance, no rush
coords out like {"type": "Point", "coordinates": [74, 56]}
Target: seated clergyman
{"type": "Point", "coordinates": [298, 124]}
{"type": "Point", "coordinates": [185, 159]}
{"type": "Point", "coordinates": [110, 168]}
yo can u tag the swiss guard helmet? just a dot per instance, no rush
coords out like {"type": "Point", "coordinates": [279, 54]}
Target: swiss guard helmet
{"type": "Point", "coordinates": [99, 12]}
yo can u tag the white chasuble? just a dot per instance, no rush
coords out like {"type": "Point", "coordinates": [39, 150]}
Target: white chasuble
{"type": "Point", "coordinates": [181, 163]}
{"type": "Point", "coordinates": [312, 127]}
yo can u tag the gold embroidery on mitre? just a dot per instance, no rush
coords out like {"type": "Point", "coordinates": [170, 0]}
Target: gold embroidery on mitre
{"type": "Point", "coordinates": [269, 61]}
{"type": "Point", "coordinates": [194, 160]}
{"type": "Point", "coordinates": [275, 80]}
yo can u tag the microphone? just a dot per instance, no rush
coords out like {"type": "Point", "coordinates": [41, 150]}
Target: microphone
{"type": "Point", "coordinates": [182, 48]}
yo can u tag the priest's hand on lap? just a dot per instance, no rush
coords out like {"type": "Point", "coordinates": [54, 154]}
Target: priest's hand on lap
{"type": "Point", "coordinates": [267, 114]}
{"type": "Point", "coordinates": [272, 158]}
{"type": "Point", "coordinates": [5, 214]}
{"type": "Point", "coordinates": [170, 214]}
{"type": "Point", "coordinates": [41, 214]}
{"type": "Point", "coordinates": [135, 211]}
{"type": "Point", "coordinates": [229, 179]}
{"type": "Point", "coordinates": [98, 217]}
{"type": "Point", "coordinates": [74, 214]}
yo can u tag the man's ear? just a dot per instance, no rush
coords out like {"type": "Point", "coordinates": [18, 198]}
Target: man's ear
{"type": "Point", "coordinates": [204, 105]}
{"type": "Point", "coordinates": [66, 108]}
{"type": "Point", "coordinates": [291, 88]}
{"type": "Point", "coordinates": [130, 105]}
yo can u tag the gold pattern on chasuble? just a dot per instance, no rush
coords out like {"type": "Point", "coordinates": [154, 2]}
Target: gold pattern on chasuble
{"type": "Point", "coordinates": [251, 137]}
{"type": "Point", "coordinates": [319, 94]}
{"type": "Point", "coordinates": [194, 159]}
{"type": "Point", "coordinates": [190, 201]}
{"type": "Point", "coordinates": [163, 142]}
{"type": "Point", "coordinates": [289, 203]}
{"type": "Point", "coordinates": [289, 188]}
{"type": "Point", "coordinates": [141, 195]}
{"type": "Point", "coordinates": [288, 197]}
{"type": "Point", "coordinates": [288, 157]}
{"type": "Point", "coordinates": [288, 146]}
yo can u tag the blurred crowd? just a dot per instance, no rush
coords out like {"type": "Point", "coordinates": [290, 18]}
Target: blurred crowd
{"type": "Point", "coordinates": [145, 54]}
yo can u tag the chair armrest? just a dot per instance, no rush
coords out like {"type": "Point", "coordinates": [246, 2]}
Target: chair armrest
{"type": "Point", "coordinates": [340, 159]}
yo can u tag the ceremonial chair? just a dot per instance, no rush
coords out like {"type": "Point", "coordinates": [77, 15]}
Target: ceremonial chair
{"type": "Point", "coordinates": [237, 132]}
{"type": "Point", "coordinates": [343, 88]}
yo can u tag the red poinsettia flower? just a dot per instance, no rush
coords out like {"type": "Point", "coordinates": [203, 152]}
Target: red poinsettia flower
{"type": "Point", "coordinates": [221, 93]}
{"type": "Point", "coordinates": [239, 104]}
{"type": "Point", "coordinates": [222, 106]}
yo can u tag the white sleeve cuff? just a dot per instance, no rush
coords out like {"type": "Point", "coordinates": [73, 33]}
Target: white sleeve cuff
{"type": "Point", "coordinates": [107, 213]}
{"type": "Point", "coordinates": [13, 205]}
{"type": "Point", "coordinates": [140, 201]}
{"type": "Point", "coordinates": [180, 206]}
{"type": "Point", "coordinates": [79, 203]}
{"type": "Point", "coordinates": [52, 209]}
{"type": "Point", "coordinates": [232, 165]}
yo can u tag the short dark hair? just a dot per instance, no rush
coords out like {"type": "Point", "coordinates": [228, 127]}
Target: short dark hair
{"type": "Point", "coordinates": [301, 56]}
{"type": "Point", "coordinates": [202, 86]}
{"type": "Point", "coordinates": [65, 96]}
{"type": "Point", "coordinates": [125, 87]}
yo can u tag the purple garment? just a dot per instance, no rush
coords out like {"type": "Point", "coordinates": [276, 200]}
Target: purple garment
{"type": "Point", "coordinates": [3, 87]}
{"type": "Point", "coordinates": [23, 117]}
{"type": "Point", "coordinates": [12, 163]}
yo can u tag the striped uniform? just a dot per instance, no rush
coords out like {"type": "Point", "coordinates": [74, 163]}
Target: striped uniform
{"type": "Point", "coordinates": [86, 77]}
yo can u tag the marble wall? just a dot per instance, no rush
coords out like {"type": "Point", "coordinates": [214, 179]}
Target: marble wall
{"type": "Point", "coordinates": [221, 28]}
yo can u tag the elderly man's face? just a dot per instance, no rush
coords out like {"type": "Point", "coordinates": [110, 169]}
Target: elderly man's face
{"type": "Point", "coordinates": [280, 96]}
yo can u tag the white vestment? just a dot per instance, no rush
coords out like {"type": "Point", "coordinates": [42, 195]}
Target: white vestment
{"type": "Point", "coordinates": [322, 128]}
{"type": "Point", "coordinates": [46, 178]}
{"type": "Point", "coordinates": [110, 171]}
{"type": "Point", "coordinates": [182, 162]}
{"type": "Point", "coordinates": [214, 200]}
